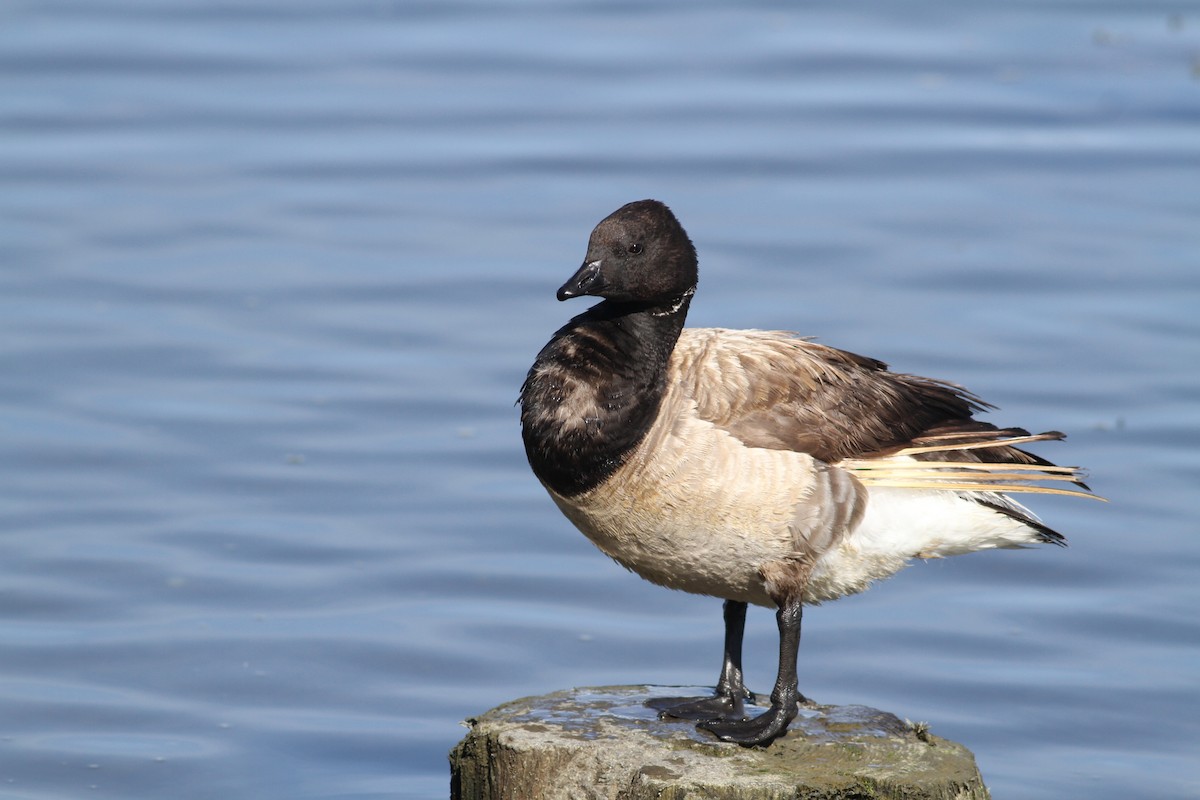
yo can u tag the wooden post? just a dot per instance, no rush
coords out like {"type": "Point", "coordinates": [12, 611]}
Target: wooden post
{"type": "Point", "coordinates": [602, 743]}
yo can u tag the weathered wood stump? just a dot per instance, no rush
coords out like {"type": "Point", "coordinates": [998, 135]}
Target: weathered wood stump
{"type": "Point", "coordinates": [604, 743]}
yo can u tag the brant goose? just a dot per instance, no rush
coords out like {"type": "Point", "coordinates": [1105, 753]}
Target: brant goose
{"type": "Point", "coordinates": [756, 466]}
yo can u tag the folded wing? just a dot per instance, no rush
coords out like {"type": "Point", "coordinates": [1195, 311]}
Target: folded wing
{"type": "Point", "coordinates": [775, 390]}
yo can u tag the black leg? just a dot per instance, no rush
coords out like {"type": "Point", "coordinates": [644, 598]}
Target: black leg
{"type": "Point", "coordinates": [731, 692]}
{"type": "Point", "coordinates": [768, 726]}
{"type": "Point", "coordinates": [732, 683]}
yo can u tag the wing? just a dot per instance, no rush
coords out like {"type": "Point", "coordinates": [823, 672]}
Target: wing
{"type": "Point", "coordinates": [775, 390]}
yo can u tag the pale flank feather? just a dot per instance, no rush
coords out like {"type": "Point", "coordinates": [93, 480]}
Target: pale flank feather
{"type": "Point", "coordinates": [903, 472]}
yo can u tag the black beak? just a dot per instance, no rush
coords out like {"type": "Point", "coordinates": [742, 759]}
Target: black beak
{"type": "Point", "coordinates": [587, 280]}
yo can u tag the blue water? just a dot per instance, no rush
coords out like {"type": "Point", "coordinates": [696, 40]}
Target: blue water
{"type": "Point", "coordinates": [272, 272]}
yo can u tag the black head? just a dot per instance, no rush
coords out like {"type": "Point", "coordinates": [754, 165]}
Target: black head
{"type": "Point", "coordinates": [637, 254]}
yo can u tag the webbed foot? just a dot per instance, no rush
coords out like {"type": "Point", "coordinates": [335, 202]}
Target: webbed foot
{"type": "Point", "coordinates": [727, 708]}
{"type": "Point", "coordinates": [760, 730]}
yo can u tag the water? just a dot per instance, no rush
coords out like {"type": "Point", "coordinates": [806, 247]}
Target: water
{"type": "Point", "coordinates": [272, 274]}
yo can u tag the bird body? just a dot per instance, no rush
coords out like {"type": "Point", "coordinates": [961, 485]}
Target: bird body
{"type": "Point", "coordinates": [756, 466]}
{"type": "Point", "coordinates": [761, 502]}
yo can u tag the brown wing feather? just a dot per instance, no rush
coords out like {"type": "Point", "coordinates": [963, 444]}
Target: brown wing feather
{"type": "Point", "coordinates": [776, 390]}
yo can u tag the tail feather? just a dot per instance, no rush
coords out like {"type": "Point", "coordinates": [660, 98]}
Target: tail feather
{"type": "Point", "coordinates": [1022, 515]}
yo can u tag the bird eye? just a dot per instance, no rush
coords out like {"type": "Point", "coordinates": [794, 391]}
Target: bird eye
{"type": "Point", "coordinates": [635, 248]}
